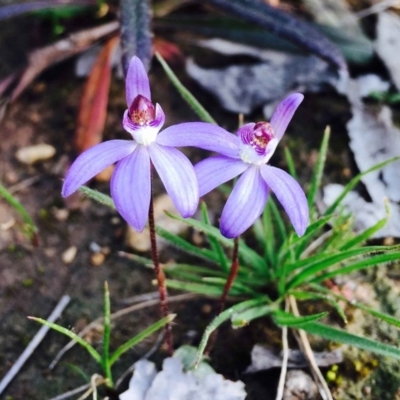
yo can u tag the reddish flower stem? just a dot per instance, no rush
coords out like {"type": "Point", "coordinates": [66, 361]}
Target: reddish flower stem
{"type": "Point", "coordinates": [232, 274]}
{"type": "Point", "coordinates": [160, 276]}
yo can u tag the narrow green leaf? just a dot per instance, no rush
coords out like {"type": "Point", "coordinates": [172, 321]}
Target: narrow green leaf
{"type": "Point", "coordinates": [97, 196]}
{"type": "Point", "coordinates": [350, 186]}
{"type": "Point", "coordinates": [286, 319]}
{"type": "Point", "coordinates": [215, 244]}
{"type": "Point", "coordinates": [221, 318]}
{"type": "Point", "coordinates": [290, 162]}
{"type": "Point", "coordinates": [269, 243]}
{"type": "Point", "coordinates": [245, 317]}
{"type": "Point", "coordinates": [96, 356]}
{"type": "Point", "coordinates": [281, 231]}
{"type": "Point", "coordinates": [205, 289]}
{"type": "Point", "coordinates": [380, 315]}
{"type": "Point", "coordinates": [301, 295]}
{"type": "Point", "coordinates": [247, 255]}
{"type": "Point", "coordinates": [186, 95]}
{"type": "Point", "coordinates": [140, 337]}
{"type": "Point", "coordinates": [187, 247]}
{"type": "Point", "coordinates": [341, 336]}
{"type": "Point", "coordinates": [195, 269]}
{"type": "Point", "coordinates": [320, 262]}
{"type": "Point", "coordinates": [107, 334]}
{"type": "Point", "coordinates": [299, 244]}
{"type": "Point", "coordinates": [32, 229]}
{"type": "Point", "coordinates": [367, 234]}
{"type": "Point", "coordinates": [237, 286]}
{"type": "Point", "coordinates": [318, 169]}
{"type": "Point", "coordinates": [369, 262]}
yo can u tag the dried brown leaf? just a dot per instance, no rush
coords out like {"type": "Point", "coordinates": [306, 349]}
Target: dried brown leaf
{"type": "Point", "coordinates": [93, 105]}
{"type": "Point", "coordinates": [75, 43]}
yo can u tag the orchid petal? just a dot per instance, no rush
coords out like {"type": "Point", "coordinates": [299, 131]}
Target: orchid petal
{"type": "Point", "coordinates": [245, 204]}
{"type": "Point", "coordinates": [202, 135]}
{"type": "Point", "coordinates": [215, 171]}
{"type": "Point", "coordinates": [289, 194]}
{"type": "Point", "coordinates": [137, 81]}
{"type": "Point", "coordinates": [178, 177]}
{"type": "Point", "coordinates": [245, 133]}
{"type": "Point", "coordinates": [284, 113]}
{"type": "Point", "coordinates": [131, 187]}
{"type": "Point", "coordinates": [93, 161]}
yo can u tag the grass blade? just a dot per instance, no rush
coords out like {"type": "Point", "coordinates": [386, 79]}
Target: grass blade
{"type": "Point", "coordinates": [97, 196]}
{"type": "Point", "coordinates": [319, 168]}
{"type": "Point", "coordinates": [187, 96]}
{"type": "Point", "coordinates": [186, 246]}
{"type": "Point", "coordinates": [341, 336]}
{"type": "Point", "coordinates": [215, 244]}
{"type": "Point", "coordinates": [351, 185]}
{"type": "Point", "coordinates": [369, 262]}
{"type": "Point", "coordinates": [32, 229]}
{"type": "Point", "coordinates": [107, 334]}
{"type": "Point", "coordinates": [96, 356]}
{"type": "Point", "coordinates": [140, 337]}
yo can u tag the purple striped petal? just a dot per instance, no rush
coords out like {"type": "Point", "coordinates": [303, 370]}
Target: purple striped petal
{"type": "Point", "coordinates": [245, 204]}
{"type": "Point", "coordinates": [202, 135]}
{"type": "Point", "coordinates": [178, 177]}
{"type": "Point", "coordinates": [215, 171]}
{"type": "Point", "coordinates": [137, 81]}
{"type": "Point", "coordinates": [289, 194]}
{"type": "Point", "coordinates": [284, 113]}
{"type": "Point", "coordinates": [130, 188]}
{"type": "Point", "coordinates": [94, 160]}
{"type": "Point", "coordinates": [245, 133]}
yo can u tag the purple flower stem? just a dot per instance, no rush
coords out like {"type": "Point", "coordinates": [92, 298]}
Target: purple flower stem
{"type": "Point", "coordinates": [160, 276]}
{"type": "Point", "coordinates": [232, 274]}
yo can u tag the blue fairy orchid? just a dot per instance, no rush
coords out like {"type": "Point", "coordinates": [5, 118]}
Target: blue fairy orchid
{"type": "Point", "coordinates": [131, 179]}
{"type": "Point", "coordinates": [254, 146]}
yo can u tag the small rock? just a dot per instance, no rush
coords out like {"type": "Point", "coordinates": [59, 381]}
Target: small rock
{"type": "Point", "coordinates": [300, 386]}
{"type": "Point", "coordinates": [32, 154]}
{"type": "Point", "coordinates": [97, 259]}
{"type": "Point", "coordinates": [60, 214]}
{"type": "Point", "coordinates": [69, 255]}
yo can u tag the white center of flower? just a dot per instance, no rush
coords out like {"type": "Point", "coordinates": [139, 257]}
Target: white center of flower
{"type": "Point", "coordinates": [258, 145]}
{"type": "Point", "coordinates": [145, 135]}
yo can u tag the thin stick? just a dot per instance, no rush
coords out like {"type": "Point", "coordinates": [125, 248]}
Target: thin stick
{"type": "Point", "coordinates": [72, 392]}
{"type": "Point", "coordinates": [285, 358]}
{"type": "Point", "coordinates": [305, 347]}
{"type": "Point", "coordinates": [34, 343]}
{"type": "Point", "coordinates": [162, 287]}
{"type": "Point", "coordinates": [232, 274]}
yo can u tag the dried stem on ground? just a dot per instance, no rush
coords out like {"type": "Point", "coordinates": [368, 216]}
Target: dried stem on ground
{"type": "Point", "coordinates": [305, 347]}
{"type": "Point", "coordinates": [285, 358]}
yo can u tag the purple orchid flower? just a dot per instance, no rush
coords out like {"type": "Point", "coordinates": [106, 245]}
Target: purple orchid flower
{"type": "Point", "coordinates": [131, 179]}
{"type": "Point", "coordinates": [254, 146]}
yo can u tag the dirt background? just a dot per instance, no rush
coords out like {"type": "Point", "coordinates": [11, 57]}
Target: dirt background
{"type": "Point", "coordinates": [33, 279]}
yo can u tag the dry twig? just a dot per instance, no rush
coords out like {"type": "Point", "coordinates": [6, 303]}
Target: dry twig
{"type": "Point", "coordinates": [305, 347]}
{"type": "Point", "coordinates": [37, 339]}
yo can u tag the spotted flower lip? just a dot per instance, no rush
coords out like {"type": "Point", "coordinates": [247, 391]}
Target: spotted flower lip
{"type": "Point", "coordinates": [131, 180]}
{"type": "Point", "coordinates": [248, 156]}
